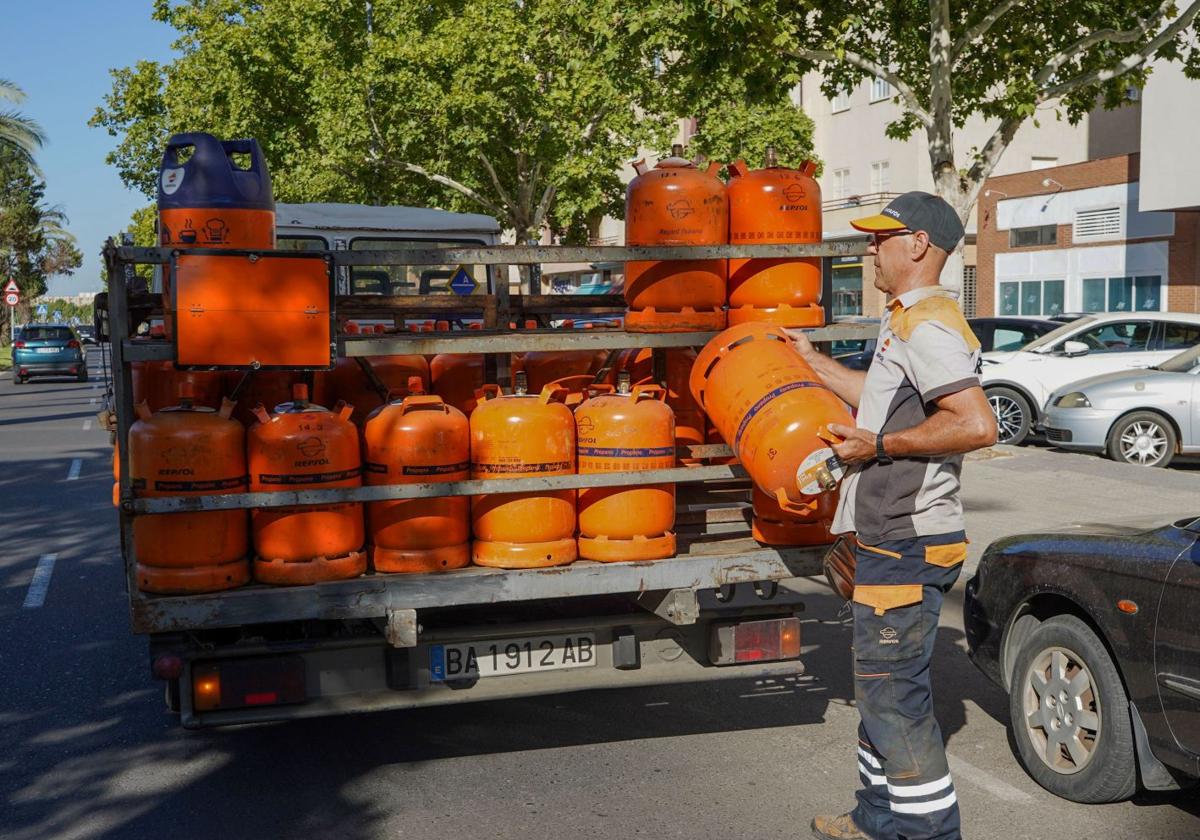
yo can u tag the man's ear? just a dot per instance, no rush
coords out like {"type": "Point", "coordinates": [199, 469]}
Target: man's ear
{"type": "Point", "coordinates": [920, 245]}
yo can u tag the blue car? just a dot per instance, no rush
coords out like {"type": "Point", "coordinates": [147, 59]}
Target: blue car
{"type": "Point", "coordinates": [47, 350]}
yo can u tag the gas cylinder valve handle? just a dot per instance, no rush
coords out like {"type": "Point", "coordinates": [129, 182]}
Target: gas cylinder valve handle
{"type": "Point", "coordinates": [520, 383]}
{"type": "Point", "coordinates": [623, 382]}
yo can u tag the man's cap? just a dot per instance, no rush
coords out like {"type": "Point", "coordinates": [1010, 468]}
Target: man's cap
{"type": "Point", "coordinates": [915, 211]}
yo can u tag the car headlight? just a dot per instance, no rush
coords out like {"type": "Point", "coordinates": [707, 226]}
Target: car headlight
{"type": "Point", "coordinates": [1075, 399]}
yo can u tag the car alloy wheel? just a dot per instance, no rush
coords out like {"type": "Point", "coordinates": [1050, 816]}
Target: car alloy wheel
{"type": "Point", "coordinates": [1062, 710]}
{"type": "Point", "coordinates": [1143, 442]}
{"type": "Point", "coordinates": [1013, 415]}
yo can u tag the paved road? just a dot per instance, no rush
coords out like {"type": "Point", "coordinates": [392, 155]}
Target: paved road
{"type": "Point", "coordinates": [89, 752]}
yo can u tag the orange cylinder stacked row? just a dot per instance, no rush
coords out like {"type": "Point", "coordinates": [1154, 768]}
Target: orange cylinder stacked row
{"type": "Point", "coordinates": [772, 409]}
{"type": "Point", "coordinates": [189, 450]}
{"type": "Point", "coordinates": [775, 206]}
{"type": "Point", "coordinates": [676, 204]}
{"type": "Point", "coordinates": [631, 430]}
{"type": "Point", "coordinates": [349, 383]}
{"type": "Point", "coordinates": [523, 436]}
{"type": "Point", "coordinates": [303, 446]}
{"type": "Point", "coordinates": [409, 441]}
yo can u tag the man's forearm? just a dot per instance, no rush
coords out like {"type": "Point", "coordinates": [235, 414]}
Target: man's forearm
{"type": "Point", "coordinates": [846, 383]}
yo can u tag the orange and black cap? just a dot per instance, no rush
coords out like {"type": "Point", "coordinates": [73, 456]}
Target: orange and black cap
{"type": "Point", "coordinates": [917, 211]}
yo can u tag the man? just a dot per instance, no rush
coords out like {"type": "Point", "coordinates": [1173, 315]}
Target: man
{"type": "Point", "coordinates": [920, 407]}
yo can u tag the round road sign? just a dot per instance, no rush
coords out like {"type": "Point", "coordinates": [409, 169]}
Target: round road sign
{"type": "Point", "coordinates": [12, 298]}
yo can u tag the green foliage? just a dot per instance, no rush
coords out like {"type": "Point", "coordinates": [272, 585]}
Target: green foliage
{"type": "Point", "coordinates": [34, 244]}
{"type": "Point", "coordinates": [1002, 60]}
{"type": "Point", "coordinates": [523, 110]}
{"type": "Point", "coordinates": [19, 134]}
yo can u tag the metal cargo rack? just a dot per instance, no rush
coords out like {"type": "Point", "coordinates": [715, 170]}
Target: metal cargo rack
{"type": "Point", "coordinates": [713, 508]}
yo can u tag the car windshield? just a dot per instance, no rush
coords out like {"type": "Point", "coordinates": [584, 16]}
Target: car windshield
{"type": "Point", "coordinates": [1183, 362]}
{"type": "Point", "coordinates": [1054, 335]}
{"type": "Point", "coordinates": [46, 334]}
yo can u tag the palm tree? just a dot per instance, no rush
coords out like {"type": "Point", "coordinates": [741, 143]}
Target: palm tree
{"type": "Point", "coordinates": [17, 131]}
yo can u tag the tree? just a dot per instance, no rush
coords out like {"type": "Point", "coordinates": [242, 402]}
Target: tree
{"type": "Point", "coordinates": [34, 242]}
{"type": "Point", "coordinates": [19, 134]}
{"type": "Point", "coordinates": [945, 63]}
{"type": "Point", "coordinates": [522, 110]}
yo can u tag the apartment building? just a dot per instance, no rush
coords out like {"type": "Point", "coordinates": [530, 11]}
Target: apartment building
{"type": "Point", "coordinates": [864, 168]}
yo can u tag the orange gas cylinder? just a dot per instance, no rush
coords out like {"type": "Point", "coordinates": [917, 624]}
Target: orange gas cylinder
{"type": "Point", "coordinates": [418, 439]}
{"type": "Point", "coordinates": [189, 450]}
{"type": "Point", "coordinates": [676, 204]}
{"type": "Point", "coordinates": [632, 429]}
{"type": "Point", "coordinates": [541, 367]}
{"type": "Point", "coordinates": [348, 381]}
{"type": "Point", "coordinates": [690, 423]}
{"type": "Point", "coordinates": [158, 384]}
{"type": "Point", "coordinates": [771, 408]}
{"type": "Point", "coordinates": [457, 376]}
{"type": "Point", "coordinates": [523, 436]}
{"type": "Point", "coordinates": [351, 328]}
{"type": "Point", "coordinates": [772, 525]}
{"type": "Point", "coordinates": [303, 446]}
{"type": "Point", "coordinates": [775, 206]}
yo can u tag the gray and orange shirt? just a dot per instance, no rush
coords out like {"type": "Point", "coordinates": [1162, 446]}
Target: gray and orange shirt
{"type": "Point", "coordinates": [925, 351]}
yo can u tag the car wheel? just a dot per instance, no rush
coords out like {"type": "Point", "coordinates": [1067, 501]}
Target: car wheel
{"type": "Point", "coordinates": [1143, 438]}
{"type": "Point", "coordinates": [1070, 714]}
{"type": "Point", "coordinates": [1013, 413]}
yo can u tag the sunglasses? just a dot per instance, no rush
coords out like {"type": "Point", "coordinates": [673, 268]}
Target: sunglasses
{"type": "Point", "coordinates": [880, 237]}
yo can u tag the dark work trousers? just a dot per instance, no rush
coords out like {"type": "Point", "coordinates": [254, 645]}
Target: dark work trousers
{"type": "Point", "coordinates": [907, 793]}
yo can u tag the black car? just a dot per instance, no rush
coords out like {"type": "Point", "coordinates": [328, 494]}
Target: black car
{"type": "Point", "coordinates": [1093, 634]}
{"type": "Point", "coordinates": [1009, 333]}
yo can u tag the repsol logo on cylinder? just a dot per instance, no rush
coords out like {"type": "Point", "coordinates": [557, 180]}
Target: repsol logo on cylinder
{"type": "Point", "coordinates": [314, 462]}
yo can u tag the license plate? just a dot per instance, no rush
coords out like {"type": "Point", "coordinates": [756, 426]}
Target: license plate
{"type": "Point", "coordinates": [511, 656]}
{"type": "Point", "coordinates": [48, 349]}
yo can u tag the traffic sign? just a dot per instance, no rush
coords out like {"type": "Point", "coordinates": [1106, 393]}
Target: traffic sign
{"type": "Point", "coordinates": [12, 298]}
{"type": "Point", "coordinates": [11, 287]}
{"type": "Point", "coordinates": [58, 316]}
{"type": "Point", "coordinates": [462, 283]}
{"type": "Point", "coordinates": [41, 310]}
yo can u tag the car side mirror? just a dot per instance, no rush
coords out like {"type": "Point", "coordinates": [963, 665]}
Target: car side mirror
{"type": "Point", "coordinates": [1075, 348]}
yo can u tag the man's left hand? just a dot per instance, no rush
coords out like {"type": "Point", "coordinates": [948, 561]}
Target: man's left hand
{"type": "Point", "coordinates": [857, 446]}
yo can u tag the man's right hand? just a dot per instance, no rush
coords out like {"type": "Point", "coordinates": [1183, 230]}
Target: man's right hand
{"type": "Point", "coordinates": [800, 340]}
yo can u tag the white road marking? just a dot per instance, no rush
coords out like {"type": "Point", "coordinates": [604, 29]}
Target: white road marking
{"type": "Point", "coordinates": [981, 778]}
{"type": "Point", "coordinates": [87, 425]}
{"type": "Point", "coordinates": [76, 466]}
{"type": "Point", "coordinates": [93, 400]}
{"type": "Point", "coordinates": [36, 596]}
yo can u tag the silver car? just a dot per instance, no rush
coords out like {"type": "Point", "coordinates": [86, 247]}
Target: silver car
{"type": "Point", "coordinates": [1144, 417]}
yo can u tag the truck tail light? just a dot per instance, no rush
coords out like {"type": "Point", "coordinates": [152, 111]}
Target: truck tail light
{"type": "Point", "coordinates": [254, 681]}
{"type": "Point", "coordinates": [763, 640]}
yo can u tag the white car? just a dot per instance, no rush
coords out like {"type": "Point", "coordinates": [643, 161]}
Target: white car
{"type": "Point", "coordinates": [1019, 382]}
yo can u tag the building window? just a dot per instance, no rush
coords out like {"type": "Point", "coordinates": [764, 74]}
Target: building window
{"type": "Point", "coordinates": [847, 290]}
{"type": "Point", "coordinates": [1043, 162]}
{"type": "Point", "coordinates": [1032, 297]}
{"type": "Point", "coordinates": [1122, 294]}
{"type": "Point", "coordinates": [970, 291]}
{"type": "Point", "coordinates": [841, 183]}
{"type": "Point", "coordinates": [1029, 236]}
{"type": "Point", "coordinates": [841, 100]}
{"type": "Point", "coordinates": [881, 179]}
{"type": "Point", "coordinates": [880, 89]}
{"type": "Point", "coordinates": [1096, 225]}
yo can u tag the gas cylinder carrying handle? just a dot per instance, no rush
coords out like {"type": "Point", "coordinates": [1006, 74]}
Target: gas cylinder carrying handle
{"type": "Point", "coordinates": [143, 410]}
{"type": "Point", "coordinates": [423, 401]}
{"type": "Point", "coordinates": [343, 409]}
{"type": "Point", "coordinates": [553, 392]}
{"type": "Point", "coordinates": [652, 391]}
{"type": "Point", "coordinates": [260, 411]}
{"type": "Point", "coordinates": [788, 504]}
{"type": "Point", "coordinates": [488, 392]}
{"type": "Point", "coordinates": [714, 168]}
{"type": "Point", "coordinates": [227, 407]}
{"type": "Point", "coordinates": [738, 169]}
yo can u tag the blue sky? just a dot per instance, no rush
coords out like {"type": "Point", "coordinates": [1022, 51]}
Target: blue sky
{"type": "Point", "coordinates": [60, 53]}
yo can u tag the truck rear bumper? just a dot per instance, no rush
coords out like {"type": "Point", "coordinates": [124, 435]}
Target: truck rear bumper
{"type": "Point", "coordinates": [369, 675]}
